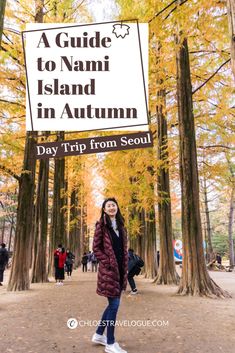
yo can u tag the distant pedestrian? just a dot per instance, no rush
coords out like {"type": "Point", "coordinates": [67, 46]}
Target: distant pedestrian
{"type": "Point", "coordinates": [84, 262]}
{"type": "Point", "coordinates": [56, 262]}
{"type": "Point", "coordinates": [69, 262]}
{"type": "Point", "coordinates": [219, 259]}
{"type": "Point", "coordinates": [59, 261]}
{"type": "Point", "coordinates": [62, 259]}
{"type": "Point", "coordinates": [89, 261]}
{"type": "Point", "coordinates": [133, 270]}
{"type": "Point", "coordinates": [3, 261]}
{"type": "Point", "coordinates": [94, 262]}
{"type": "Point", "coordinates": [158, 258]}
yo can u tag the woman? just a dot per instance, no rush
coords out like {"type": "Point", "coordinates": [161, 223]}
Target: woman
{"type": "Point", "coordinates": [56, 262]}
{"type": "Point", "coordinates": [60, 268]}
{"type": "Point", "coordinates": [110, 248]}
{"type": "Point", "coordinates": [69, 262]}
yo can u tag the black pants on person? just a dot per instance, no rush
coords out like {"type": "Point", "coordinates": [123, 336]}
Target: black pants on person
{"type": "Point", "coordinates": [84, 267]}
{"type": "Point", "coordinates": [69, 269]}
{"type": "Point", "coordinates": [131, 280]}
{"type": "Point", "coordinates": [1, 273]}
{"type": "Point", "coordinates": [94, 266]}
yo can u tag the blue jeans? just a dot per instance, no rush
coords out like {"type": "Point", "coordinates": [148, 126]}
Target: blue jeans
{"type": "Point", "coordinates": [109, 319]}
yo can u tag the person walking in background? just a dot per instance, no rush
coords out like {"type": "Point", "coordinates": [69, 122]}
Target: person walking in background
{"type": "Point", "coordinates": [84, 262]}
{"type": "Point", "coordinates": [110, 248]}
{"type": "Point", "coordinates": [158, 258]}
{"type": "Point", "coordinates": [4, 257]}
{"type": "Point", "coordinates": [62, 259]}
{"type": "Point", "coordinates": [219, 259]}
{"type": "Point", "coordinates": [93, 262]}
{"type": "Point", "coordinates": [69, 262]}
{"type": "Point", "coordinates": [89, 261]}
{"type": "Point", "coordinates": [56, 262]}
{"type": "Point", "coordinates": [133, 270]}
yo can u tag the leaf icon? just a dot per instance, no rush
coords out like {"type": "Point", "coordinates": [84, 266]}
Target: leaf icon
{"type": "Point", "coordinates": [121, 30]}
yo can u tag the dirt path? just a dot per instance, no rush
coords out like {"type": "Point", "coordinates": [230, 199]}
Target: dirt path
{"type": "Point", "coordinates": [36, 321]}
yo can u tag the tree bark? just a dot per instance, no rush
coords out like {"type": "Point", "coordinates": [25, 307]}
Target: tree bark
{"type": "Point", "coordinates": [10, 237]}
{"type": "Point", "coordinates": [58, 234]}
{"type": "Point", "coordinates": [19, 276]}
{"type": "Point", "coordinates": [75, 228]}
{"type": "Point", "coordinates": [231, 20]}
{"type": "Point", "coordinates": [39, 273]}
{"type": "Point", "coordinates": [150, 245]}
{"type": "Point", "coordinates": [209, 251]}
{"type": "Point", "coordinates": [2, 14]}
{"type": "Point", "coordinates": [230, 229]}
{"type": "Point", "coordinates": [167, 272]}
{"type": "Point", "coordinates": [84, 229]}
{"type": "Point", "coordinates": [231, 210]}
{"type": "Point", "coordinates": [39, 4]}
{"type": "Point", "coordinates": [195, 279]}
{"type": "Point", "coordinates": [3, 230]}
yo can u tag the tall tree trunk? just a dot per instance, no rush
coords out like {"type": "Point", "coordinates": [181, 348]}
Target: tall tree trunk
{"type": "Point", "coordinates": [210, 252]}
{"type": "Point", "coordinates": [10, 237]}
{"type": "Point", "coordinates": [231, 210]}
{"type": "Point", "coordinates": [140, 239]}
{"type": "Point", "coordinates": [139, 245]}
{"type": "Point", "coordinates": [167, 272]}
{"type": "Point", "coordinates": [19, 277]}
{"type": "Point", "coordinates": [3, 230]}
{"type": "Point", "coordinates": [149, 234]}
{"type": "Point", "coordinates": [32, 238]}
{"type": "Point", "coordinates": [75, 228]}
{"type": "Point", "coordinates": [137, 240]}
{"type": "Point", "coordinates": [85, 235]}
{"type": "Point", "coordinates": [150, 245]}
{"type": "Point", "coordinates": [65, 206]}
{"type": "Point", "coordinates": [39, 14]}
{"type": "Point", "coordinates": [230, 228]}
{"type": "Point", "coordinates": [39, 273]}
{"type": "Point", "coordinates": [2, 13]}
{"type": "Point", "coordinates": [58, 234]}
{"type": "Point", "coordinates": [195, 279]}
{"type": "Point", "coordinates": [231, 20]}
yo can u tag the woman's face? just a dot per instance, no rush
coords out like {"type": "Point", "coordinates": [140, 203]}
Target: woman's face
{"type": "Point", "coordinates": [111, 208]}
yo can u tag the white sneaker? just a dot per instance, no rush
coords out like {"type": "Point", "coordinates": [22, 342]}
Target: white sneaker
{"type": "Point", "coordinates": [114, 348]}
{"type": "Point", "coordinates": [99, 339]}
{"type": "Point", "coordinates": [133, 292]}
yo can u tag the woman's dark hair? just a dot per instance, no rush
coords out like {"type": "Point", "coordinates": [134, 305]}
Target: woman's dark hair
{"type": "Point", "coordinates": [119, 217]}
{"type": "Point", "coordinates": [63, 250]}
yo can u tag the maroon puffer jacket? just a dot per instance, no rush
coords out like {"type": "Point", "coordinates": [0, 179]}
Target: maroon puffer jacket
{"type": "Point", "coordinates": [108, 274]}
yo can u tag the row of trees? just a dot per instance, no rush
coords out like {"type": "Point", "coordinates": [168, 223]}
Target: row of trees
{"type": "Point", "coordinates": [190, 99]}
{"type": "Point", "coordinates": [52, 203]}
